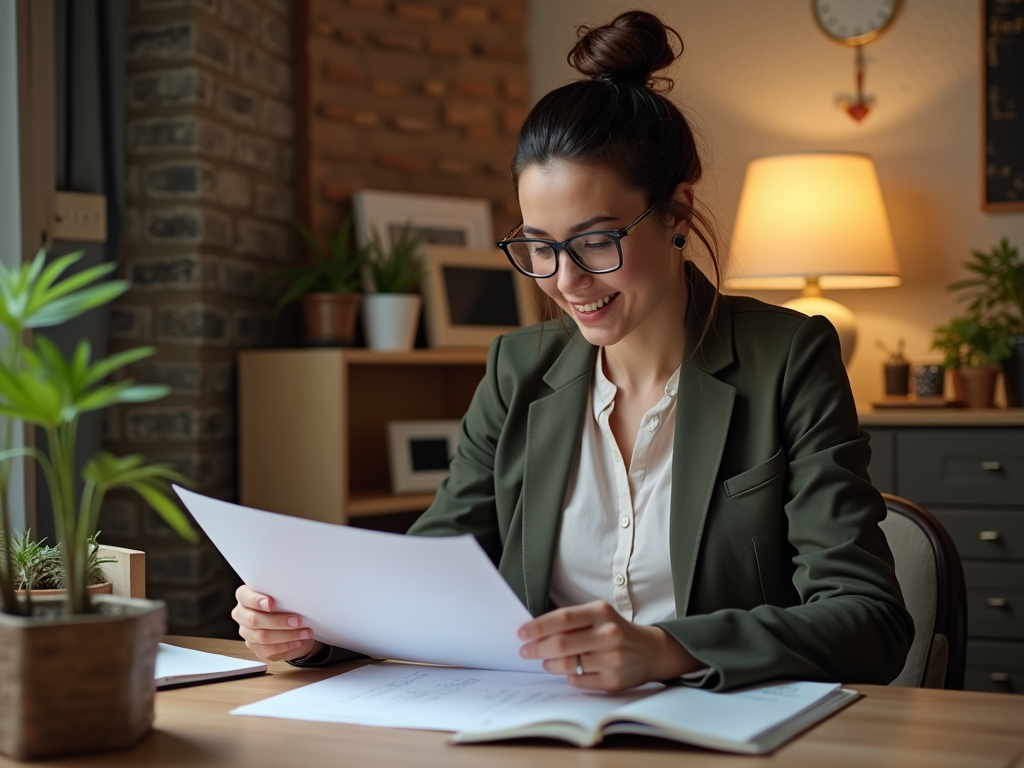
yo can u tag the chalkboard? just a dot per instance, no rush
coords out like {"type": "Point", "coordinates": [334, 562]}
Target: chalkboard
{"type": "Point", "coordinates": [1003, 105]}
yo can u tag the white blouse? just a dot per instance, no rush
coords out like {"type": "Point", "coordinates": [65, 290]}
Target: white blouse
{"type": "Point", "coordinates": [614, 541]}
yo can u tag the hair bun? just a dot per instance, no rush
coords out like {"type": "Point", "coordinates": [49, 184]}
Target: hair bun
{"type": "Point", "coordinates": [630, 49]}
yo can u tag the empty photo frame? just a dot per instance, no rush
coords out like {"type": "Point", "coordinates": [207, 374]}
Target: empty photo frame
{"type": "Point", "coordinates": [462, 222]}
{"type": "Point", "coordinates": [472, 295]}
{"type": "Point", "coordinates": [420, 452]}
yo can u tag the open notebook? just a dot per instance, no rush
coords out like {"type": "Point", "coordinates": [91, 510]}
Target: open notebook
{"type": "Point", "coordinates": [183, 666]}
{"type": "Point", "coordinates": [490, 705]}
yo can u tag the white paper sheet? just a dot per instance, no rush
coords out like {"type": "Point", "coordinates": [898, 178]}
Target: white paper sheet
{"type": "Point", "coordinates": [177, 666]}
{"type": "Point", "coordinates": [415, 598]}
{"type": "Point", "coordinates": [440, 698]}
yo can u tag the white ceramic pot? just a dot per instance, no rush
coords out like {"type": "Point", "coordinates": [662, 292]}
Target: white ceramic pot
{"type": "Point", "coordinates": [390, 319]}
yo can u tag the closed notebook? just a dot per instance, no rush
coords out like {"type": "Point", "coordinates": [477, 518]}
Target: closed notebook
{"type": "Point", "coordinates": [184, 666]}
{"type": "Point", "coordinates": [754, 720]}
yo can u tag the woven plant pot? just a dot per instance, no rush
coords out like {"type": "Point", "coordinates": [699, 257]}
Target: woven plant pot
{"type": "Point", "coordinates": [72, 684]}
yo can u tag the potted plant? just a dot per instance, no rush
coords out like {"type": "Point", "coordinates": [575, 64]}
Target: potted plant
{"type": "Point", "coordinates": [973, 346]}
{"type": "Point", "coordinates": [327, 286]}
{"type": "Point", "coordinates": [997, 289]}
{"type": "Point", "coordinates": [39, 569]}
{"type": "Point", "coordinates": [392, 311]}
{"type": "Point", "coordinates": [76, 671]}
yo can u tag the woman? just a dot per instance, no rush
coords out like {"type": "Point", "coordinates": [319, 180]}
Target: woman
{"type": "Point", "coordinates": [675, 482]}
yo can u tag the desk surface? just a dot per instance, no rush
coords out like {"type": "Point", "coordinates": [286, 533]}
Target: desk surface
{"type": "Point", "coordinates": [888, 727]}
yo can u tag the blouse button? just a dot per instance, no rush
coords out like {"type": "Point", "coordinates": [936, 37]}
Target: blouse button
{"type": "Point", "coordinates": [652, 426]}
{"type": "Point", "coordinates": [619, 579]}
{"type": "Point", "coordinates": [624, 521]}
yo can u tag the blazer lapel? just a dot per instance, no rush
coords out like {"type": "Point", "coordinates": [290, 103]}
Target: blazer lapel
{"type": "Point", "coordinates": [552, 442]}
{"type": "Point", "coordinates": [703, 411]}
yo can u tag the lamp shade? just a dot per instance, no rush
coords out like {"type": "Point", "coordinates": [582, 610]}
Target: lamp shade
{"type": "Point", "coordinates": [812, 215]}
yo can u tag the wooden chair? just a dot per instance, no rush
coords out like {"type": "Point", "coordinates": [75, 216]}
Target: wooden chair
{"type": "Point", "coordinates": [932, 579]}
{"type": "Point", "coordinates": [128, 573]}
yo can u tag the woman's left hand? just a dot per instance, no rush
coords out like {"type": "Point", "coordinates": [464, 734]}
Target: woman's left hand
{"type": "Point", "coordinates": [614, 654]}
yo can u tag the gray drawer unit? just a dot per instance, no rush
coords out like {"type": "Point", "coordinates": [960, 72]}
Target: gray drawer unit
{"type": "Point", "coordinates": [959, 466]}
{"type": "Point", "coordinates": [972, 479]}
{"type": "Point", "coordinates": [995, 666]}
{"type": "Point", "coordinates": [995, 599]}
{"type": "Point", "coordinates": [985, 535]}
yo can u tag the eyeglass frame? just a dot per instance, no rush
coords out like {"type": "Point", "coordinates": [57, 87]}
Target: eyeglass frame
{"type": "Point", "coordinates": [615, 234]}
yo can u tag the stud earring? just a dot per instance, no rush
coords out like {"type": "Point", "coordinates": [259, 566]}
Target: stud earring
{"type": "Point", "coordinates": [679, 241]}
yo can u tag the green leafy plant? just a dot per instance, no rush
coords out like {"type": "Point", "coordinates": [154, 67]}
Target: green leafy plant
{"type": "Point", "coordinates": [39, 386]}
{"type": "Point", "coordinates": [973, 341]}
{"type": "Point", "coordinates": [397, 269]}
{"type": "Point", "coordinates": [38, 566]}
{"type": "Point", "coordinates": [336, 265]}
{"type": "Point", "coordinates": [997, 286]}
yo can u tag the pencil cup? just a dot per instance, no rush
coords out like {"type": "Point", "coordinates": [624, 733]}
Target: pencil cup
{"type": "Point", "coordinates": [929, 380]}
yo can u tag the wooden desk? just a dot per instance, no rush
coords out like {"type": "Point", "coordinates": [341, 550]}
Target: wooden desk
{"type": "Point", "coordinates": [897, 727]}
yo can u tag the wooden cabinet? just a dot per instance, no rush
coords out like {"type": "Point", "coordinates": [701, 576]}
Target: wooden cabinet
{"type": "Point", "coordinates": [967, 468]}
{"type": "Point", "coordinates": [312, 424]}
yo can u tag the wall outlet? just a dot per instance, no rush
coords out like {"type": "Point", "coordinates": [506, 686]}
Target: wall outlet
{"type": "Point", "coordinates": [79, 216]}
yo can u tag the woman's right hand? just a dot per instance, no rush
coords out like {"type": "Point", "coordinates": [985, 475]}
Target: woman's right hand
{"type": "Point", "coordinates": [271, 635]}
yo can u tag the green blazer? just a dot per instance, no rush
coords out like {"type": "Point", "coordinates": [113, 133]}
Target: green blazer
{"type": "Point", "coordinates": [779, 567]}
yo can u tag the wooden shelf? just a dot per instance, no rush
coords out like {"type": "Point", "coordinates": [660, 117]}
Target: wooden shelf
{"type": "Point", "coordinates": [313, 424]}
{"type": "Point", "coordinates": [384, 503]}
{"type": "Point", "coordinates": [360, 356]}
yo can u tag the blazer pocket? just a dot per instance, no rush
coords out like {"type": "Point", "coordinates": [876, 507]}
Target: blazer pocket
{"type": "Point", "coordinates": [756, 476]}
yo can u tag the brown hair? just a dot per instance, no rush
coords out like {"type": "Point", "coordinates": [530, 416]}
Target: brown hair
{"type": "Point", "coordinates": [620, 116]}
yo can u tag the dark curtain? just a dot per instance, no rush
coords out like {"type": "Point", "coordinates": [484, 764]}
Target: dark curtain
{"type": "Point", "coordinates": [89, 42]}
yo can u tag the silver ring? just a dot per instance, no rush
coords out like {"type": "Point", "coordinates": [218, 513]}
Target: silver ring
{"type": "Point", "coordinates": [579, 665]}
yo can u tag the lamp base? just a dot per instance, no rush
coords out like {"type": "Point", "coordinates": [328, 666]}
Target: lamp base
{"type": "Point", "coordinates": [837, 314]}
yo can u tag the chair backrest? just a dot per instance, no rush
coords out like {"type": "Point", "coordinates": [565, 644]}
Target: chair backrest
{"type": "Point", "coordinates": [127, 573]}
{"type": "Point", "coordinates": [932, 579]}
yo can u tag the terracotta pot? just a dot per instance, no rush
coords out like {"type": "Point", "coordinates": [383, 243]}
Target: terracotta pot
{"type": "Point", "coordinates": [331, 317]}
{"type": "Point", "coordinates": [976, 387]}
{"type": "Point", "coordinates": [72, 684]}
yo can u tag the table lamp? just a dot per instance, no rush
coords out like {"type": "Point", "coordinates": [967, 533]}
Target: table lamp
{"type": "Point", "coordinates": [813, 221]}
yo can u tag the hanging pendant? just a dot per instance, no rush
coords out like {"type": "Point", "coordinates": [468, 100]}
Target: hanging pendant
{"type": "Point", "coordinates": [858, 108]}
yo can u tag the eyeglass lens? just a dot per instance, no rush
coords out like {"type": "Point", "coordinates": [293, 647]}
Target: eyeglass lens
{"type": "Point", "coordinates": [594, 251]}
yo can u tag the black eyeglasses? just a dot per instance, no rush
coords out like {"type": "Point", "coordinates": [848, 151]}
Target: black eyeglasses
{"type": "Point", "coordinates": [595, 252]}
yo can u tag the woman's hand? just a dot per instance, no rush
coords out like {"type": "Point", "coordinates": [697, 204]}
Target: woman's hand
{"type": "Point", "coordinates": [615, 654]}
{"type": "Point", "coordinates": [272, 636]}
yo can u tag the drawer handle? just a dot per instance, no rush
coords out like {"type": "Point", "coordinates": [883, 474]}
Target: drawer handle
{"type": "Point", "coordinates": [997, 602]}
{"type": "Point", "coordinates": [991, 466]}
{"type": "Point", "coordinates": [989, 536]}
{"type": "Point", "coordinates": [999, 677]}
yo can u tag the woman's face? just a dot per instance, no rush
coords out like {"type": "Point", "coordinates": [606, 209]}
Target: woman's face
{"type": "Point", "coordinates": [566, 199]}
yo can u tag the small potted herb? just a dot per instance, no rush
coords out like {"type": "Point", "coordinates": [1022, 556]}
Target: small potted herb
{"type": "Point", "coordinates": [997, 290]}
{"type": "Point", "coordinates": [327, 286]}
{"type": "Point", "coordinates": [392, 311]}
{"type": "Point", "coordinates": [973, 346]}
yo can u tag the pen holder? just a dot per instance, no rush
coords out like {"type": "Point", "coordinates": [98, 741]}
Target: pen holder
{"type": "Point", "coordinates": [929, 380]}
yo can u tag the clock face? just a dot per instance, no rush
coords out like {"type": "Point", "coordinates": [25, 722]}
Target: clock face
{"type": "Point", "coordinates": [854, 22]}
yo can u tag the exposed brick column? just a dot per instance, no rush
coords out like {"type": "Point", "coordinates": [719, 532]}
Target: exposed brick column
{"type": "Point", "coordinates": [210, 153]}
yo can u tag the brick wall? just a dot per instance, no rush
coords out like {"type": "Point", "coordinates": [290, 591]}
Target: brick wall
{"type": "Point", "coordinates": [412, 96]}
{"type": "Point", "coordinates": [210, 139]}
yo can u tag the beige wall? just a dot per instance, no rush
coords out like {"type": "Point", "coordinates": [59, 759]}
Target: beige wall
{"type": "Point", "coordinates": [759, 77]}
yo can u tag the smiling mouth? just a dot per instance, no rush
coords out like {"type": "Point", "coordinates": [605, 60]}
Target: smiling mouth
{"type": "Point", "coordinates": [595, 305]}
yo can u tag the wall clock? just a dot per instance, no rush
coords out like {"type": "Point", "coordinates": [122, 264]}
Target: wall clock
{"type": "Point", "coordinates": [855, 23]}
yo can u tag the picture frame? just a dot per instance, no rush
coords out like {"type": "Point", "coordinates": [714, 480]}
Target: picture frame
{"type": "Point", "coordinates": [419, 453]}
{"type": "Point", "coordinates": [472, 295]}
{"type": "Point", "coordinates": [453, 221]}
{"type": "Point", "coordinates": [1002, 89]}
